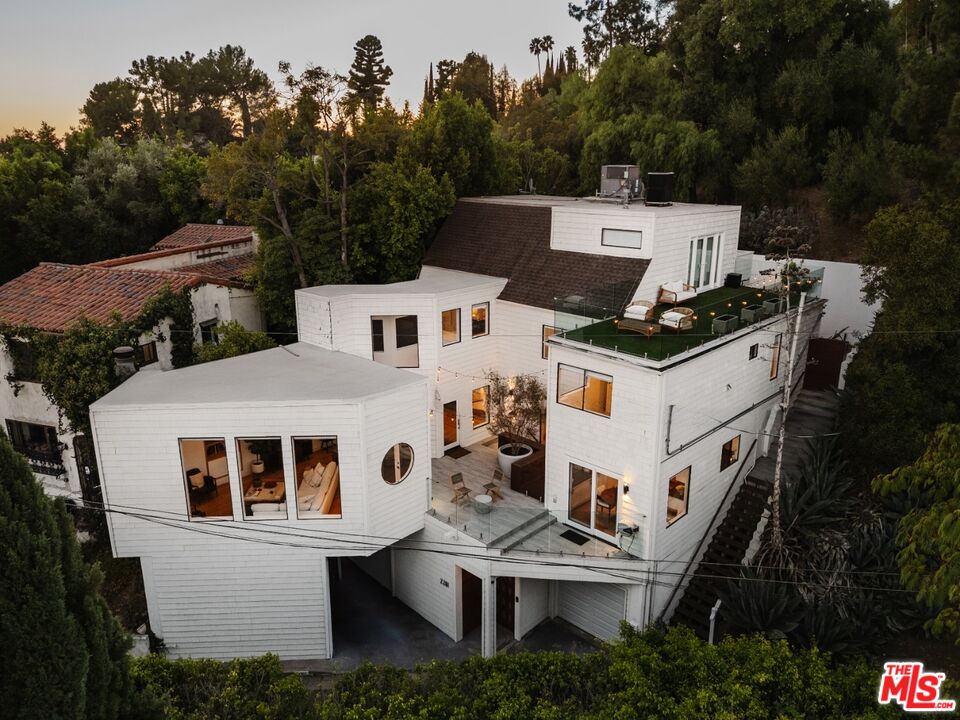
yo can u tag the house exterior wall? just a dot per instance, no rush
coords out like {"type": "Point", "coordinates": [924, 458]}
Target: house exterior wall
{"type": "Point", "coordinates": [673, 232]}
{"type": "Point", "coordinates": [223, 304]}
{"type": "Point", "coordinates": [581, 229]}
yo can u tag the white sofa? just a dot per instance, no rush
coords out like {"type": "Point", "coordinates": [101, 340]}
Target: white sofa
{"type": "Point", "coordinates": [318, 488]}
{"type": "Point", "coordinates": [268, 511]}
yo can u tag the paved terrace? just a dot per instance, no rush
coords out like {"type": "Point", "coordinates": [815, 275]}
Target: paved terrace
{"type": "Point", "coordinates": [668, 342]}
{"type": "Point", "coordinates": [516, 523]}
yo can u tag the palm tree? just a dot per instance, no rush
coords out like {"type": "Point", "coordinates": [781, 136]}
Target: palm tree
{"type": "Point", "coordinates": [536, 47]}
{"type": "Point", "coordinates": [571, 55]}
{"type": "Point", "coordinates": [546, 43]}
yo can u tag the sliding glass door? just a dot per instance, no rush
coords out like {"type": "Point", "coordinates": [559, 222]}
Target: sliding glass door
{"type": "Point", "coordinates": [594, 499]}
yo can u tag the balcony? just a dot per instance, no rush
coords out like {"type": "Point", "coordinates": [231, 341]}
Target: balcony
{"type": "Point", "coordinates": [709, 317]}
{"type": "Point", "coordinates": [43, 462]}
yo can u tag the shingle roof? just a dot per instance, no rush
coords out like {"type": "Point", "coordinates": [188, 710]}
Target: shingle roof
{"type": "Point", "coordinates": [233, 269]}
{"type": "Point", "coordinates": [513, 241]}
{"type": "Point", "coordinates": [200, 234]}
{"type": "Point", "coordinates": [53, 295]}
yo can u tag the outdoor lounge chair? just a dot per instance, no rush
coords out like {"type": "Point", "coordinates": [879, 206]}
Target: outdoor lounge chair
{"type": "Point", "coordinates": [679, 318]}
{"type": "Point", "coordinates": [641, 310]}
{"type": "Point", "coordinates": [675, 293]}
{"type": "Point", "coordinates": [461, 491]}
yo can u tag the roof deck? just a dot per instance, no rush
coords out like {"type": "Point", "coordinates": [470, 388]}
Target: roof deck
{"type": "Point", "coordinates": [513, 522]}
{"type": "Point", "coordinates": [716, 314]}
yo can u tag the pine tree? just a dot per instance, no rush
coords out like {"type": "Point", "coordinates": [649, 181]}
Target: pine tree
{"type": "Point", "coordinates": [368, 76]}
{"type": "Point", "coordinates": [63, 654]}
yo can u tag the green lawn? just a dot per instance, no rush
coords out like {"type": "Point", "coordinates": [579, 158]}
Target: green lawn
{"type": "Point", "coordinates": [669, 342]}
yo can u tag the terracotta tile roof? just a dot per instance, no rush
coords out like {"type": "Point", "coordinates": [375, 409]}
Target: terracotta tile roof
{"type": "Point", "coordinates": [200, 234]}
{"type": "Point", "coordinates": [52, 295]}
{"type": "Point", "coordinates": [233, 269]}
{"type": "Point", "coordinates": [513, 242]}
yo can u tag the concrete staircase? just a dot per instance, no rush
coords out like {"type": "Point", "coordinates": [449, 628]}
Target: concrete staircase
{"type": "Point", "coordinates": [528, 528]}
{"type": "Point", "coordinates": [813, 413]}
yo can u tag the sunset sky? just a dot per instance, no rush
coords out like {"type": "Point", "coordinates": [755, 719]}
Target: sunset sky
{"type": "Point", "coordinates": [52, 52]}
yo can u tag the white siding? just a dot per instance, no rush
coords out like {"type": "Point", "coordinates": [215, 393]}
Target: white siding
{"type": "Point", "coordinates": [580, 229]}
{"type": "Point", "coordinates": [673, 234]}
{"type": "Point", "coordinates": [596, 608]}
{"type": "Point", "coordinates": [534, 605]}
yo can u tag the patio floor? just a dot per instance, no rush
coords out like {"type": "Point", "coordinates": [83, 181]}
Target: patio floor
{"type": "Point", "coordinates": [516, 523]}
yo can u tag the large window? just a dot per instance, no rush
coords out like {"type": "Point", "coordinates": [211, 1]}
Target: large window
{"type": "Point", "coordinates": [480, 319]}
{"type": "Point", "coordinates": [206, 477]}
{"type": "Point", "coordinates": [730, 452]}
{"type": "Point", "coordinates": [450, 326]}
{"type": "Point", "coordinates": [396, 464]}
{"type": "Point", "coordinates": [548, 332]}
{"type": "Point", "coordinates": [775, 358]}
{"type": "Point", "coordinates": [39, 445]}
{"type": "Point", "coordinates": [678, 493]}
{"type": "Point", "coordinates": [481, 406]}
{"type": "Point", "coordinates": [317, 463]}
{"type": "Point", "coordinates": [594, 499]}
{"type": "Point", "coordinates": [394, 341]}
{"type": "Point", "coordinates": [703, 264]}
{"type": "Point", "coordinates": [406, 328]}
{"type": "Point", "coordinates": [262, 479]}
{"type": "Point", "coordinates": [584, 389]}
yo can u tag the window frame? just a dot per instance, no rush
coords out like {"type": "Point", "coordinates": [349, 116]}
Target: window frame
{"type": "Point", "coordinates": [314, 515]}
{"type": "Point", "coordinates": [141, 355]}
{"type": "Point", "coordinates": [730, 457]}
{"type": "Point", "coordinates": [545, 349]}
{"type": "Point", "coordinates": [604, 243]}
{"type": "Point", "coordinates": [208, 328]}
{"type": "Point", "coordinates": [186, 483]}
{"type": "Point", "coordinates": [775, 357]}
{"type": "Point", "coordinates": [443, 342]}
{"type": "Point", "coordinates": [374, 334]}
{"type": "Point", "coordinates": [486, 319]}
{"type": "Point", "coordinates": [594, 482]}
{"type": "Point", "coordinates": [754, 352]}
{"type": "Point", "coordinates": [686, 495]}
{"type": "Point", "coordinates": [585, 374]}
{"type": "Point", "coordinates": [416, 337]}
{"type": "Point", "coordinates": [283, 467]}
{"type": "Point", "coordinates": [395, 448]}
{"type": "Point", "coordinates": [486, 403]}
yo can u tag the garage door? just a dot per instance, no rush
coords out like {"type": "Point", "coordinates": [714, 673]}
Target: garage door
{"type": "Point", "coordinates": [596, 608]}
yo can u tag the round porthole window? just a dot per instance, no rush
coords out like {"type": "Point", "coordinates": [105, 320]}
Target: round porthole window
{"type": "Point", "coordinates": [397, 463]}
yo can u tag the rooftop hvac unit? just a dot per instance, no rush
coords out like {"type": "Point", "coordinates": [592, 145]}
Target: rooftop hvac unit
{"type": "Point", "coordinates": [659, 188]}
{"type": "Point", "coordinates": [619, 180]}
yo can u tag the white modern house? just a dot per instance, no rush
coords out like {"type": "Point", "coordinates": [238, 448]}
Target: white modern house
{"type": "Point", "coordinates": [208, 260]}
{"type": "Point", "coordinates": [237, 482]}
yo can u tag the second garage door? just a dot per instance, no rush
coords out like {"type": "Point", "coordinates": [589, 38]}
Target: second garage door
{"type": "Point", "coordinates": [596, 608]}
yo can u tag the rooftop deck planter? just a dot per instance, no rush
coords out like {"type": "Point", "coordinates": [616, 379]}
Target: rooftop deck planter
{"type": "Point", "coordinates": [507, 455]}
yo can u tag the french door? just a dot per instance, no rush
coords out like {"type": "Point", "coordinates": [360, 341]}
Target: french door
{"type": "Point", "coordinates": [451, 425]}
{"type": "Point", "coordinates": [703, 266]}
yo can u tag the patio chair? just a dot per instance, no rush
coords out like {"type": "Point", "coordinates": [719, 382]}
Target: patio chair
{"type": "Point", "coordinates": [641, 310]}
{"type": "Point", "coordinates": [461, 491]}
{"type": "Point", "coordinates": [680, 318]}
{"type": "Point", "coordinates": [675, 293]}
{"type": "Point", "coordinates": [493, 488]}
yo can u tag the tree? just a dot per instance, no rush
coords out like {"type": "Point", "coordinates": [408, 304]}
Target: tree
{"type": "Point", "coordinates": [609, 23]}
{"type": "Point", "coordinates": [473, 80]}
{"type": "Point", "coordinates": [928, 534]}
{"type": "Point", "coordinates": [229, 74]}
{"type": "Point", "coordinates": [111, 110]}
{"type": "Point", "coordinates": [516, 407]}
{"type": "Point", "coordinates": [234, 339]}
{"type": "Point", "coordinates": [536, 48]}
{"type": "Point", "coordinates": [775, 168]}
{"type": "Point", "coordinates": [64, 655]}
{"type": "Point", "coordinates": [398, 207]}
{"type": "Point", "coordinates": [368, 76]}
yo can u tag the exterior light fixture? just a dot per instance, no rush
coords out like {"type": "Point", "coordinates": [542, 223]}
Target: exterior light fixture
{"type": "Point", "coordinates": [626, 489]}
{"type": "Point", "coordinates": [712, 313]}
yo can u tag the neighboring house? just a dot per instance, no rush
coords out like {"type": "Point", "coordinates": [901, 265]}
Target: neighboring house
{"type": "Point", "coordinates": [252, 473]}
{"type": "Point", "coordinates": [52, 296]}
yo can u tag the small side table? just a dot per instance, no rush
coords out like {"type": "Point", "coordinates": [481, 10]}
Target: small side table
{"type": "Point", "coordinates": [483, 504]}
